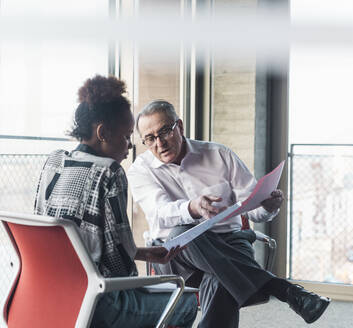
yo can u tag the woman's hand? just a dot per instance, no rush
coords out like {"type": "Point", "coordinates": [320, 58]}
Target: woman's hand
{"type": "Point", "coordinates": [157, 254]}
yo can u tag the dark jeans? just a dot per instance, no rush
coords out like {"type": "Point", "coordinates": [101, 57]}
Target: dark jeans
{"type": "Point", "coordinates": [137, 309]}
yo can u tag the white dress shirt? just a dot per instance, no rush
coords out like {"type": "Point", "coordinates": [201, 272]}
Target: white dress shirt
{"type": "Point", "coordinates": [164, 190]}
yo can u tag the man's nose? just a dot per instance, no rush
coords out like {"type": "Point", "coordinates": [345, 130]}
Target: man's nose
{"type": "Point", "coordinates": [160, 141]}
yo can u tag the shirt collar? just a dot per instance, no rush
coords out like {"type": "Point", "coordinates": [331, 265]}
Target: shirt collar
{"type": "Point", "coordinates": [191, 150]}
{"type": "Point", "coordinates": [86, 149]}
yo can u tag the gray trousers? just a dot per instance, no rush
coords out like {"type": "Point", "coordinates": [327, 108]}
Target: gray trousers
{"type": "Point", "coordinates": [231, 276]}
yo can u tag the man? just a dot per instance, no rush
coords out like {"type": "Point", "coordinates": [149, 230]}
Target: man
{"type": "Point", "coordinates": [178, 182]}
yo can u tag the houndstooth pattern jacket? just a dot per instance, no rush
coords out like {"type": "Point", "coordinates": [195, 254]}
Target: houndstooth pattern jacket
{"type": "Point", "coordinates": [92, 192]}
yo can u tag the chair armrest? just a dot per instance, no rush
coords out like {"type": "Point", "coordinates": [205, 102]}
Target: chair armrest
{"type": "Point", "coordinates": [272, 247]}
{"type": "Point", "coordinates": [261, 237]}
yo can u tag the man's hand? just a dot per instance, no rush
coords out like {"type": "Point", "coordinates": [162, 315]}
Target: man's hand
{"type": "Point", "coordinates": [274, 202]}
{"type": "Point", "coordinates": [157, 254]}
{"type": "Point", "coordinates": [201, 207]}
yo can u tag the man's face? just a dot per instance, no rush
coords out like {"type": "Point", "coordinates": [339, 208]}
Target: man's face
{"type": "Point", "coordinates": [167, 149]}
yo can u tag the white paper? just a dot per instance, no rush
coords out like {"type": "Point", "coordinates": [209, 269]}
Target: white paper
{"type": "Point", "coordinates": [196, 231]}
{"type": "Point", "coordinates": [262, 191]}
{"type": "Point", "coordinates": [167, 287]}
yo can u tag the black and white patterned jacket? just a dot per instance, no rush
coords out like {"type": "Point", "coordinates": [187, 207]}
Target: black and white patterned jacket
{"type": "Point", "coordinates": [91, 191]}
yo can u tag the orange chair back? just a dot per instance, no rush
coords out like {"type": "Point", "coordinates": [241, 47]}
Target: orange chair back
{"type": "Point", "coordinates": [52, 282]}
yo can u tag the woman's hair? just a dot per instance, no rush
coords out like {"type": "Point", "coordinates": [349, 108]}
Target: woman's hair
{"type": "Point", "coordinates": [158, 106]}
{"type": "Point", "coordinates": [101, 101]}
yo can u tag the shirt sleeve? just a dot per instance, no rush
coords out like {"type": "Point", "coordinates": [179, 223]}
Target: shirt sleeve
{"type": "Point", "coordinates": [160, 210]}
{"type": "Point", "coordinates": [243, 183]}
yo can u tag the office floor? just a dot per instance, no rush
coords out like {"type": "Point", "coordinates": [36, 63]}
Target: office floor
{"type": "Point", "coordinates": [278, 315]}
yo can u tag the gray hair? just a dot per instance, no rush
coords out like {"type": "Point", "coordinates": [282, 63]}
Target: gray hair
{"type": "Point", "coordinates": [157, 106]}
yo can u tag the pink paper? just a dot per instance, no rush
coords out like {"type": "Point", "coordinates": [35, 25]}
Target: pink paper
{"type": "Point", "coordinates": [262, 191]}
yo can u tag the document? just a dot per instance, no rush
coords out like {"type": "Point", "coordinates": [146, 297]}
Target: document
{"type": "Point", "coordinates": [262, 191]}
{"type": "Point", "coordinates": [167, 287]}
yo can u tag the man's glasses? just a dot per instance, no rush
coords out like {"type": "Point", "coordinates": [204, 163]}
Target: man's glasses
{"type": "Point", "coordinates": [163, 134]}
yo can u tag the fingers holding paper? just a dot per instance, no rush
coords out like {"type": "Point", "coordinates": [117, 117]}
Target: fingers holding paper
{"type": "Point", "coordinates": [204, 206]}
{"type": "Point", "coordinates": [274, 202]}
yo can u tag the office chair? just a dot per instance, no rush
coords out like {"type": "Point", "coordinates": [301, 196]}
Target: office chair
{"type": "Point", "coordinates": [49, 280]}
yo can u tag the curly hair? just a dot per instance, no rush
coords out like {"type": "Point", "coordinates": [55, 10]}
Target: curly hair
{"type": "Point", "coordinates": [101, 101]}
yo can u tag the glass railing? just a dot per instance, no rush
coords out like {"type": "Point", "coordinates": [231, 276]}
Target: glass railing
{"type": "Point", "coordinates": [21, 161]}
{"type": "Point", "coordinates": [321, 212]}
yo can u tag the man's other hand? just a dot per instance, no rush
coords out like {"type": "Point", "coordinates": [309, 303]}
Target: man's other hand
{"type": "Point", "coordinates": [274, 202]}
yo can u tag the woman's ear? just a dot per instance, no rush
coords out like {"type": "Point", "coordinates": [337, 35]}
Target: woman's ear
{"type": "Point", "coordinates": [101, 132]}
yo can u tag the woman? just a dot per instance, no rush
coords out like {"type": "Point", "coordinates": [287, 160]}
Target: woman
{"type": "Point", "coordinates": [89, 187]}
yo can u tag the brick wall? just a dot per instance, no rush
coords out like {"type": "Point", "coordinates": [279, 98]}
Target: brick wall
{"type": "Point", "coordinates": [234, 79]}
{"type": "Point", "coordinates": [233, 116]}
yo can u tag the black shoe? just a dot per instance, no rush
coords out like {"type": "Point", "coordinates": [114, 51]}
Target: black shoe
{"type": "Point", "coordinates": [308, 305]}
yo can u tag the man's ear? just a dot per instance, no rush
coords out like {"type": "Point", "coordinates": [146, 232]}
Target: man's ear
{"type": "Point", "coordinates": [101, 132]}
{"type": "Point", "coordinates": [181, 126]}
